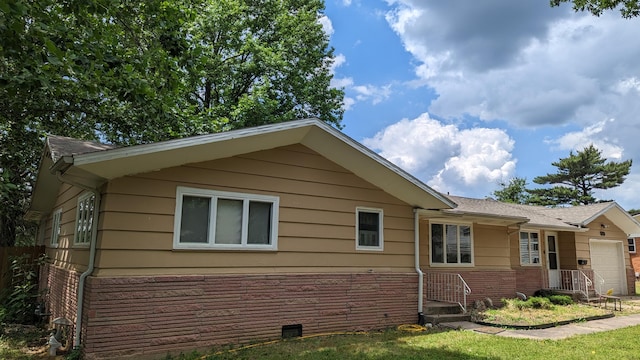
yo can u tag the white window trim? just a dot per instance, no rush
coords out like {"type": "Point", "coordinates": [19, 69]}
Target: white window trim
{"type": "Point", "coordinates": [55, 228]}
{"type": "Point", "coordinates": [539, 264]}
{"type": "Point", "coordinates": [214, 195]}
{"type": "Point", "coordinates": [380, 246]}
{"type": "Point", "coordinates": [446, 264]}
{"type": "Point", "coordinates": [635, 249]}
{"type": "Point", "coordinates": [84, 238]}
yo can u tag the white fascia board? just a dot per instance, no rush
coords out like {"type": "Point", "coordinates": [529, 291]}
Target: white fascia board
{"type": "Point", "coordinates": [118, 162]}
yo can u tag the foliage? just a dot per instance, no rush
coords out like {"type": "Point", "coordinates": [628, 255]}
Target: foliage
{"type": "Point", "coordinates": [578, 176]}
{"type": "Point", "coordinates": [131, 72]}
{"type": "Point", "coordinates": [628, 8]}
{"type": "Point", "coordinates": [561, 299]}
{"type": "Point", "coordinates": [514, 191]}
{"type": "Point", "coordinates": [75, 354]}
{"type": "Point", "coordinates": [21, 302]}
{"type": "Point", "coordinates": [533, 302]}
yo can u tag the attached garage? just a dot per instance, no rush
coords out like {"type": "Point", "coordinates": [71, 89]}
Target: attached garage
{"type": "Point", "coordinates": [607, 260]}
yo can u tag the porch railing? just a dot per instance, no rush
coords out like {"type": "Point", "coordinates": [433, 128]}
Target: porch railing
{"type": "Point", "coordinates": [580, 281]}
{"type": "Point", "coordinates": [447, 287]}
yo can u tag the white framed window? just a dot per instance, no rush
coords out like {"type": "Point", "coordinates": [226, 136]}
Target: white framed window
{"type": "Point", "coordinates": [208, 219]}
{"type": "Point", "coordinates": [529, 248]}
{"type": "Point", "coordinates": [55, 227]}
{"type": "Point", "coordinates": [451, 244]}
{"type": "Point", "coordinates": [369, 229]}
{"type": "Point", "coordinates": [632, 245]}
{"type": "Point", "coordinates": [84, 218]}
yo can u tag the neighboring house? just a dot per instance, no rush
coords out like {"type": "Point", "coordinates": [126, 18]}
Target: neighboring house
{"type": "Point", "coordinates": [293, 227]}
{"type": "Point", "coordinates": [633, 241]}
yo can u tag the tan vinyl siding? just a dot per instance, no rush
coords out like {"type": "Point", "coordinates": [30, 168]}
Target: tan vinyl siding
{"type": "Point", "coordinates": [567, 250]}
{"type": "Point", "coordinates": [316, 227]}
{"type": "Point", "coordinates": [66, 255]}
{"type": "Point", "coordinates": [611, 232]}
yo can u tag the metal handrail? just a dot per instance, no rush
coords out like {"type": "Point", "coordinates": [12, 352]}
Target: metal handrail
{"type": "Point", "coordinates": [447, 287]}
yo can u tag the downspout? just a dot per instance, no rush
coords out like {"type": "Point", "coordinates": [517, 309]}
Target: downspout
{"type": "Point", "coordinates": [416, 241]}
{"type": "Point", "coordinates": [92, 254]}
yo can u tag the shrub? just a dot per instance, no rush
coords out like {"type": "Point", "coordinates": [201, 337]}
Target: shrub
{"type": "Point", "coordinates": [540, 303]}
{"type": "Point", "coordinates": [20, 304]}
{"type": "Point", "coordinates": [531, 303]}
{"type": "Point", "coordinates": [561, 299]}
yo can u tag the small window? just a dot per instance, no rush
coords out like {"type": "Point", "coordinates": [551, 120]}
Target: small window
{"type": "Point", "coordinates": [451, 244]}
{"type": "Point", "coordinates": [84, 219]}
{"type": "Point", "coordinates": [225, 220]}
{"type": "Point", "coordinates": [529, 248]}
{"type": "Point", "coordinates": [369, 229]}
{"type": "Point", "coordinates": [55, 227]}
{"type": "Point", "coordinates": [632, 245]}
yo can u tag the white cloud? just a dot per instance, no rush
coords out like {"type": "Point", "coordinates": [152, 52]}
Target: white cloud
{"type": "Point", "coordinates": [327, 26]}
{"type": "Point", "coordinates": [460, 161]}
{"type": "Point", "coordinates": [338, 61]}
{"type": "Point", "coordinates": [578, 140]}
{"type": "Point", "coordinates": [376, 94]}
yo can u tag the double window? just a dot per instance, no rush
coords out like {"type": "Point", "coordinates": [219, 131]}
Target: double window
{"type": "Point", "coordinates": [369, 229]}
{"type": "Point", "coordinates": [225, 220]}
{"type": "Point", "coordinates": [55, 227]}
{"type": "Point", "coordinates": [451, 244]}
{"type": "Point", "coordinates": [529, 248]}
{"type": "Point", "coordinates": [84, 218]}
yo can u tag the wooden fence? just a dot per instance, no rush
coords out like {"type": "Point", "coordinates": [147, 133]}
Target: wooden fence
{"type": "Point", "coordinates": [6, 253]}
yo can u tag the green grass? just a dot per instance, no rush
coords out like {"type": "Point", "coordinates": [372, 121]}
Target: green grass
{"type": "Point", "coordinates": [617, 344]}
{"type": "Point", "coordinates": [512, 315]}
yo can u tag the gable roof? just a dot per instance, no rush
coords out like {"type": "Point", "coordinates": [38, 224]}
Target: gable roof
{"type": "Point", "coordinates": [97, 163]}
{"type": "Point", "coordinates": [511, 213]}
{"type": "Point", "coordinates": [574, 218]}
{"type": "Point", "coordinates": [583, 215]}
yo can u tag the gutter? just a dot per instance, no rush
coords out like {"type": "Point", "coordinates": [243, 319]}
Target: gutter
{"type": "Point", "coordinates": [92, 251]}
{"type": "Point", "coordinates": [416, 232]}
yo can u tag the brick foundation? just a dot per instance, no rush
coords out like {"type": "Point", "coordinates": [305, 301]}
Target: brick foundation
{"type": "Point", "coordinates": [494, 284]}
{"type": "Point", "coordinates": [62, 286]}
{"type": "Point", "coordinates": [146, 316]}
{"type": "Point", "coordinates": [529, 280]}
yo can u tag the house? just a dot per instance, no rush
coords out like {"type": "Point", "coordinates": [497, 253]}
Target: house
{"type": "Point", "coordinates": [633, 254]}
{"type": "Point", "coordinates": [580, 249]}
{"type": "Point", "coordinates": [285, 228]}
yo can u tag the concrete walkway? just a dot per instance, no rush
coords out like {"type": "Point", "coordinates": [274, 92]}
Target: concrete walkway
{"type": "Point", "coordinates": [554, 333]}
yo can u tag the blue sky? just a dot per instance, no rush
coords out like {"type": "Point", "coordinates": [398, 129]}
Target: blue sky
{"type": "Point", "coordinates": [466, 94]}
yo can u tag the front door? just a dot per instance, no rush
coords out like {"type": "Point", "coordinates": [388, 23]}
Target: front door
{"type": "Point", "coordinates": [553, 263]}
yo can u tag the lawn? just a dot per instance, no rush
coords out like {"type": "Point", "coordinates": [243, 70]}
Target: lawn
{"type": "Point", "coordinates": [617, 344]}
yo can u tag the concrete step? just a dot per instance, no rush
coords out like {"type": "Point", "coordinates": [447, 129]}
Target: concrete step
{"type": "Point", "coordinates": [445, 318]}
{"type": "Point", "coordinates": [438, 308]}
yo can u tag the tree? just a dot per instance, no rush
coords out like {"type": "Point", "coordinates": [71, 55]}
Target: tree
{"type": "Point", "coordinates": [628, 8]}
{"type": "Point", "coordinates": [514, 191]}
{"type": "Point", "coordinates": [578, 175]}
{"type": "Point", "coordinates": [130, 72]}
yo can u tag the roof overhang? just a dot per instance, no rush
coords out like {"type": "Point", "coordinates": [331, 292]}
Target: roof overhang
{"type": "Point", "coordinates": [98, 167]}
{"type": "Point", "coordinates": [619, 217]}
{"type": "Point", "coordinates": [480, 218]}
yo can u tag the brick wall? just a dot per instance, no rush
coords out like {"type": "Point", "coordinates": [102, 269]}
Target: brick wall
{"type": "Point", "coordinates": [145, 316]}
{"type": "Point", "coordinates": [62, 288]}
{"type": "Point", "coordinates": [494, 284]}
{"type": "Point", "coordinates": [529, 280]}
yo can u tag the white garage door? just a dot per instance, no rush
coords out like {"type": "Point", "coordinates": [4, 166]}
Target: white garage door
{"type": "Point", "coordinates": [607, 261]}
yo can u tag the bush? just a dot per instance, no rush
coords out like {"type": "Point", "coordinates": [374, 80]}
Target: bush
{"type": "Point", "coordinates": [561, 299]}
{"type": "Point", "coordinates": [531, 303]}
{"type": "Point", "coordinates": [540, 303]}
{"type": "Point", "coordinates": [20, 304]}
